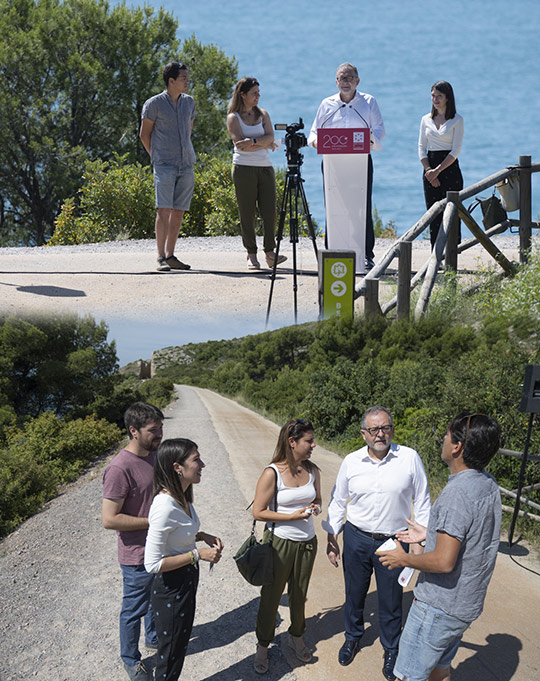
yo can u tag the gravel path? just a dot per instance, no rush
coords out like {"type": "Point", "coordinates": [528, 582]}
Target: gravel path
{"type": "Point", "coordinates": [119, 280]}
{"type": "Point", "coordinates": [60, 583]}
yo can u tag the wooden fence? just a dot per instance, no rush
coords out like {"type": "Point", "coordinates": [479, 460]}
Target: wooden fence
{"type": "Point", "coordinates": [446, 247]}
{"type": "Point", "coordinates": [530, 488]}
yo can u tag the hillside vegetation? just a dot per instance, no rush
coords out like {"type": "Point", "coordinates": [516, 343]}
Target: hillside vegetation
{"type": "Point", "coordinates": [469, 352]}
{"type": "Point", "coordinates": [61, 406]}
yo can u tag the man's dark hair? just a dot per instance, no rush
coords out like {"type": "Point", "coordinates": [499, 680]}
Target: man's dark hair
{"type": "Point", "coordinates": [480, 436]}
{"type": "Point", "coordinates": [171, 70]}
{"type": "Point", "coordinates": [140, 414]}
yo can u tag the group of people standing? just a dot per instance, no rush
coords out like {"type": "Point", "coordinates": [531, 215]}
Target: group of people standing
{"type": "Point", "coordinates": [167, 124]}
{"type": "Point", "coordinates": [148, 500]}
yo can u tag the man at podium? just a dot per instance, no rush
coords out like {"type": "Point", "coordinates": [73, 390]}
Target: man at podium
{"type": "Point", "coordinates": [351, 109]}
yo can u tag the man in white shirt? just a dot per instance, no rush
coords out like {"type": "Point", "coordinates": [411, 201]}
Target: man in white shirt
{"type": "Point", "coordinates": [375, 487]}
{"type": "Point", "coordinates": [351, 109]}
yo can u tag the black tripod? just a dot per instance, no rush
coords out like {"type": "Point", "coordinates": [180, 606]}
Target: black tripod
{"type": "Point", "coordinates": [294, 190]}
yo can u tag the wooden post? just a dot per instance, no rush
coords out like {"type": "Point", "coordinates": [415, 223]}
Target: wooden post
{"type": "Point", "coordinates": [490, 247]}
{"type": "Point", "coordinates": [525, 208]}
{"type": "Point", "coordinates": [371, 298]}
{"type": "Point", "coordinates": [451, 256]}
{"type": "Point", "coordinates": [404, 280]}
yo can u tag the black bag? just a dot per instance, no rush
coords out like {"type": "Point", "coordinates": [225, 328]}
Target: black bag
{"type": "Point", "coordinates": [255, 560]}
{"type": "Point", "coordinates": [492, 211]}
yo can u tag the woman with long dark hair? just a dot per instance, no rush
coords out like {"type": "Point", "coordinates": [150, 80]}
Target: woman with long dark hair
{"type": "Point", "coordinates": [171, 551]}
{"type": "Point", "coordinates": [439, 144]}
{"type": "Point", "coordinates": [294, 541]}
{"type": "Point", "coordinates": [253, 176]}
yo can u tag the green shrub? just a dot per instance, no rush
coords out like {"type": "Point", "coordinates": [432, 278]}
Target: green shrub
{"type": "Point", "coordinates": [213, 210]}
{"type": "Point", "coordinates": [66, 447]}
{"type": "Point", "coordinates": [116, 201]}
{"type": "Point", "coordinates": [44, 453]}
{"type": "Point", "coordinates": [24, 487]}
{"type": "Point", "coordinates": [156, 391]}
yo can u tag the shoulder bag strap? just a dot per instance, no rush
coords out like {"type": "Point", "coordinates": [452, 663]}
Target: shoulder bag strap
{"type": "Point", "coordinates": [275, 506]}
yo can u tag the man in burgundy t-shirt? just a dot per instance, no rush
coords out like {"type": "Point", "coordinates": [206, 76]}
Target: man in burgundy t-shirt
{"type": "Point", "coordinates": [127, 495]}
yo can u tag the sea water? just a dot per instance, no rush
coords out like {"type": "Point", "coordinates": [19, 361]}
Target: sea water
{"type": "Point", "coordinates": [488, 50]}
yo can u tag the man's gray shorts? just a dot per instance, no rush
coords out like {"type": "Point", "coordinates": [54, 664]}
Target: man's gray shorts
{"type": "Point", "coordinates": [173, 186]}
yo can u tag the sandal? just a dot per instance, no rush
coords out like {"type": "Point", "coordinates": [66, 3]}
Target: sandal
{"type": "Point", "coordinates": [252, 262]}
{"type": "Point", "coordinates": [303, 654]}
{"type": "Point", "coordinates": [259, 665]}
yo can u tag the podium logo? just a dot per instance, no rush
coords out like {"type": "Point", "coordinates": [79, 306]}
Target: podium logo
{"type": "Point", "coordinates": [339, 270]}
{"type": "Point", "coordinates": [358, 138]}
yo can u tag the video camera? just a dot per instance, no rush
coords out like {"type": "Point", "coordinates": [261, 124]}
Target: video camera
{"type": "Point", "coordinates": [294, 140]}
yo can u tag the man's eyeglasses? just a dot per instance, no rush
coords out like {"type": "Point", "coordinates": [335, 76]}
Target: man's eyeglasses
{"type": "Point", "coordinates": [374, 431]}
{"type": "Point", "coordinates": [346, 79]}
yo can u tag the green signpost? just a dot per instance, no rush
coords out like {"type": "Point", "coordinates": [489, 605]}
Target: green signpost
{"type": "Point", "coordinates": [336, 284]}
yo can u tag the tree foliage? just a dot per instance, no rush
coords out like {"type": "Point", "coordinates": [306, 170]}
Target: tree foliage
{"type": "Point", "coordinates": [74, 75]}
{"type": "Point", "coordinates": [54, 364]}
{"type": "Point", "coordinates": [212, 77]}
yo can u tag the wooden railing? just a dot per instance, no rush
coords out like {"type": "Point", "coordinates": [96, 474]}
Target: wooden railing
{"type": "Point", "coordinates": [529, 488]}
{"type": "Point", "coordinates": [446, 247]}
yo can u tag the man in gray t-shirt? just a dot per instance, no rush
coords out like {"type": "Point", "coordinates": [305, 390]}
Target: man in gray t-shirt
{"type": "Point", "coordinates": [461, 546]}
{"type": "Point", "coordinates": [167, 123]}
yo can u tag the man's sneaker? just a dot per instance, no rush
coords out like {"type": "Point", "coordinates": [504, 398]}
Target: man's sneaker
{"type": "Point", "coordinates": [139, 672]}
{"type": "Point", "coordinates": [162, 264]}
{"type": "Point", "coordinates": [175, 264]}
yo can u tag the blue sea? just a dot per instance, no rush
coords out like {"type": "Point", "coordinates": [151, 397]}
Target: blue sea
{"type": "Point", "coordinates": [488, 50]}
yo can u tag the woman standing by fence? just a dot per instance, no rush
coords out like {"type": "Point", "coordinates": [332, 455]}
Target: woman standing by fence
{"type": "Point", "coordinates": [439, 144]}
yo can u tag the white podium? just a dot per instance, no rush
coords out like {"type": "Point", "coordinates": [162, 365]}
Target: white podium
{"type": "Point", "coordinates": [345, 166]}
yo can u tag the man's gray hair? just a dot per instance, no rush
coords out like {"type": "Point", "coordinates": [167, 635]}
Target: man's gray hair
{"type": "Point", "coordinates": [347, 67]}
{"type": "Point", "coordinates": [376, 410]}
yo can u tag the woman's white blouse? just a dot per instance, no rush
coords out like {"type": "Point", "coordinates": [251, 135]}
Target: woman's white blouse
{"type": "Point", "coordinates": [171, 531]}
{"type": "Point", "coordinates": [449, 137]}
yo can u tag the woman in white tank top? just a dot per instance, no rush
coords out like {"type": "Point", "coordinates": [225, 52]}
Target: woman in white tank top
{"type": "Point", "coordinates": [294, 541]}
{"type": "Point", "coordinates": [253, 176]}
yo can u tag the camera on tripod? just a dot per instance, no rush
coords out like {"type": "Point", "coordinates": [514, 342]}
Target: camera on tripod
{"type": "Point", "coordinates": [294, 140]}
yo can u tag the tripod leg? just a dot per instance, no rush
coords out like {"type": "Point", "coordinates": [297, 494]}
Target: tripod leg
{"type": "Point", "coordinates": [307, 215]}
{"type": "Point", "coordinates": [279, 236]}
{"type": "Point", "coordinates": [293, 223]}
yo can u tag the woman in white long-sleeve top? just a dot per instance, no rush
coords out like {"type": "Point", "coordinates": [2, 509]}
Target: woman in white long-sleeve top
{"type": "Point", "coordinates": [171, 551]}
{"type": "Point", "coordinates": [439, 144]}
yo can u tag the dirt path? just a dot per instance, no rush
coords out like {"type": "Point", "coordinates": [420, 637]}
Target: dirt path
{"type": "Point", "coordinates": [60, 584]}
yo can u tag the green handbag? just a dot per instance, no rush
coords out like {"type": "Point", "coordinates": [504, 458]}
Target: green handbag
{"type": "Point", "coordinates": [255, 560]}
